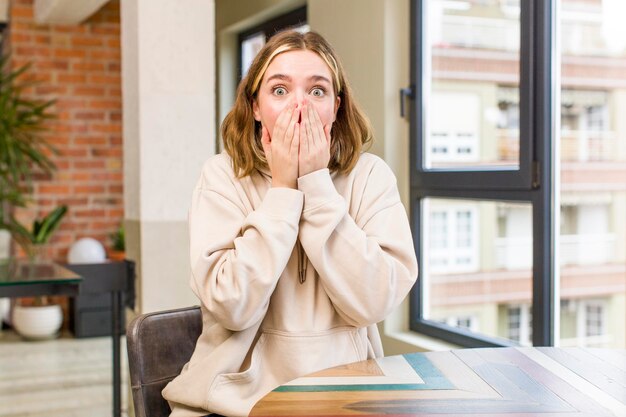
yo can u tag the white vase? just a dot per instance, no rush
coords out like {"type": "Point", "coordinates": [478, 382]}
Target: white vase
{"type": "Point", "coordinates": [5, 244]}
{"type": "Point", "coordinates": [5, 307]}
{"type": "Point", "coordinates": [37, 322]}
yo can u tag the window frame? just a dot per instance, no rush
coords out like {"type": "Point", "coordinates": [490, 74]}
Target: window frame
{"type": "Point", "coordinates": [533, 182]}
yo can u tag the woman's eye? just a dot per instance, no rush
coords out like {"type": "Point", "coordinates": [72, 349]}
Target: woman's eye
{"type": "Point", "coordinates": [280, 91]}
{"type": "Point", "coordinates": [318, 92]}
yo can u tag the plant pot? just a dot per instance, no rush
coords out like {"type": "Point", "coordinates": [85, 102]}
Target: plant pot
{"type": "Point", "coordinates": [116, 255]}
{"type": "Point", "coordinates": [37, 322]}
{"type": "Point", "coordinates": [5, 308]}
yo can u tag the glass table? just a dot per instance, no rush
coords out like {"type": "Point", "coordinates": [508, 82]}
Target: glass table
{"type": "Point", "coordinates": [26, 278]}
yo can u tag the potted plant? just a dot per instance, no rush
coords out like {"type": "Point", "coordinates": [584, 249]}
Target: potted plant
{"type": "Point", "coordinates": [42, 319]}
{"type": "Point", "coordinates": [24, 153]}
{"type": "Point", "coordinates": [118, 245]}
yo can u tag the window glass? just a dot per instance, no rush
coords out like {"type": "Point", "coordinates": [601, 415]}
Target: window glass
{"type": "Point", "coordinates": [478, 266]}
{"type": "Point", "coordinates": [472, 109]}
{"type": "Point", "coordinates": [593, 173]}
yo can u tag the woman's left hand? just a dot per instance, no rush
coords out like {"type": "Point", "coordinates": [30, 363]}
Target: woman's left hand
{"type": "Point", "coordinates": [314, 142]}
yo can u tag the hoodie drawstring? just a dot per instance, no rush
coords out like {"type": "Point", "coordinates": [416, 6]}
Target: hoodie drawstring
{"type": "Point", "coordinates": [302, 263]}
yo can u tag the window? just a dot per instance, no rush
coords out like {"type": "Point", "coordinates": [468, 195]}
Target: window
{"type": "Point", "coordinates": [594, 319]}
{"type": "Point", "coordinates": [520, 324]}
{"type": "Point", "coordinates": [517, 171]}
{"type": "Point", "coordinates": [252, 40]}
{"type": "Point", "coordinates": [452, 237]}
{"type": "Point", "coordinates": [585, 322]}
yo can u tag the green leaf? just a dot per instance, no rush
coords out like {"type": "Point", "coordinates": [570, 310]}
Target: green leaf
{"type": "Point", "coordinates": [48, 225]}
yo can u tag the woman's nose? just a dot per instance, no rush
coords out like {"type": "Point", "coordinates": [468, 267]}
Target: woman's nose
{"type": "Point", "coordinates": [300, 97]}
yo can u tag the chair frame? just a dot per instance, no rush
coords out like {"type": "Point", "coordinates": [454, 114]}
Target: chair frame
{"type": "Point", "coordinates": [159, 345]}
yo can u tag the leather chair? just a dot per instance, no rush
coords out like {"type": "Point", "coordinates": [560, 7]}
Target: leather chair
{"type": "Point", "coordinates": [159, 344]}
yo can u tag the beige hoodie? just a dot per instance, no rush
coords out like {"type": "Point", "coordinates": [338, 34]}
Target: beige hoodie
{"type": "Point", "coordinates": [272, 311]}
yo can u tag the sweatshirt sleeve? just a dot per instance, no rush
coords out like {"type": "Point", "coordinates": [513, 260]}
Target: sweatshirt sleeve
{"type": "Point", "coordinates": [366, 264]}
{"type": "Point", "coordinates": [237, 253]}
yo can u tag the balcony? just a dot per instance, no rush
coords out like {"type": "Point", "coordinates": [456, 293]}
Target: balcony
{"type": "Point", "coordinates": [513, 253]}
{"type": "Point", "coordinates": [576, 145]}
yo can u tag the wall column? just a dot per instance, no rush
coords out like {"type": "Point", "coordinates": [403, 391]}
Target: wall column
{"type": "Point", "coordinates": [168, 81]}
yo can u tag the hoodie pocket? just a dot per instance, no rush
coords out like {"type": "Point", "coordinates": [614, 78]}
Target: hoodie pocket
{"type": "Point", "coordinates": [279, 357]}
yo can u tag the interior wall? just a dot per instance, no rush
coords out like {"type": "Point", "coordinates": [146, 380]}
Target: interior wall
{"type": "Point", "coordinates": [168, 84]}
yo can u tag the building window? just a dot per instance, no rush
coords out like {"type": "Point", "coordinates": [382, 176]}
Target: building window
{"type": "Point", "coordinates": [594, 318]}
{"type": "Point", "coordinates": [520, 324]}
{"type": "Point", "coordinates": [585, 323]}
{"type": "Point", "coordinates": [463, 322]}
{"type": "Point", "coordinates": [453, 239]}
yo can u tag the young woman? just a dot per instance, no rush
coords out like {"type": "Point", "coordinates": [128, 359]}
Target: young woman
{"type": "Point", "coordinates": [299, 241]}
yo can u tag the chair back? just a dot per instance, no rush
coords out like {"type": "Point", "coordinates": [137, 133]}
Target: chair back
{"type": "Point", "coordinates": [159, 344]}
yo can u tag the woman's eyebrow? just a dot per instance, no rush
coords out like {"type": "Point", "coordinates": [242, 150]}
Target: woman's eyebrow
{"type": "Point", "coordinates": [318, 78]}
{"type": "Point", "coordinates": [284, 77]}
{"type": "Point", "coordinates": [281, 77]}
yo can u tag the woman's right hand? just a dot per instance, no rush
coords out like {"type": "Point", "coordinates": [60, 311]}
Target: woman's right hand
{"type": "Point", "coordinates": [282, 147]}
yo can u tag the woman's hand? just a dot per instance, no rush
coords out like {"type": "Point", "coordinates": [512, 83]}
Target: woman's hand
{"type": "Point", "coordinates": [281, 148]}
{"type": "Point", "coordinates": [314, 142]}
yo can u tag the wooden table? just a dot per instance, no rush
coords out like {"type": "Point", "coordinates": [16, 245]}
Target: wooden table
{"type": "Point", "coordinates": [506, 382]}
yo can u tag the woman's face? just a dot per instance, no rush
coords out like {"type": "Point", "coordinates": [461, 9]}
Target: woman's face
{"type": "Point", "coordinates": [293, 77]}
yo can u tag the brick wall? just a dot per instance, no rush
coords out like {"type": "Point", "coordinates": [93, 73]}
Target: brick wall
{"type": "Point", "coordinates": [80, 67]}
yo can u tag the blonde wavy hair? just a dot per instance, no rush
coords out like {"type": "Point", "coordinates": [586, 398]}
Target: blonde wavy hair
{"type": "Point", "coordinates": [241, 133]}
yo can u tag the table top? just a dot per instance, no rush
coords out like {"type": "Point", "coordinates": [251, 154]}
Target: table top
{"type": "Point", "coordinates": [507, 382]}
{"type": "Point", "coordinates": [24, 272]}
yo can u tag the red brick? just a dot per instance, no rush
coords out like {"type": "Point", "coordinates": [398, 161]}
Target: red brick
{"type": "Point", "coordinates": [106, 29]}
{"type": "Point", "coordinates": [70, 28]}
{"type": "Point", "coordinates": [71, 78]}
{"type": "Point", "coordinates": [51, 89]}
{"type": "Point", "coordinates": [114, 67]}
{"type": "Point", "coordinates": [105, 54]}
{"type": "Point", "coordinates": [89, 115]}
{"type": "Point", "coordinates": [57, 140]}
{"type": "Point", "coordinates": [54, 189]}
{"type": "Point", "coordinates": [105, 104]}
{"type": "Point", "coordinates": [116, 213]}
{"type": "Point", "coordinates": [75, 153]}
{"type": "Point", "coordinates": [116, 189]}
{"type": "Point", "coordinates": [69, 103]}
{"type": "Point", "coordinates": [88, 66]}
{"type": "Point", "coordinates": [24, 12]}
{"type": "Point", "coordinates": [106, 79]}
{"type": "Point", "coordinates": [89, 91]}
{"type": "Point", "coordinates": [21, 38]}
{"type": "Point", "coordinates": [106, 128]}
{"type": "Point", "coordinates": [43, 39]}
{"type": "Point", "coordinates": [89, 41]}
{"type": "Point", "coordinates": [32, 51]}
{"type": "Point", "coordinates": [107, 152]}
{"type": "Point", "coordinates": [55, 64]}
{"type": "Point", "coordinates": [90, 140]}
{"type": "Point", "coordinates": [99, 164]}
{"type": "Point", "coordinates": [69, 53]}
{"type": "Point", "coordinates": [89, 213]}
